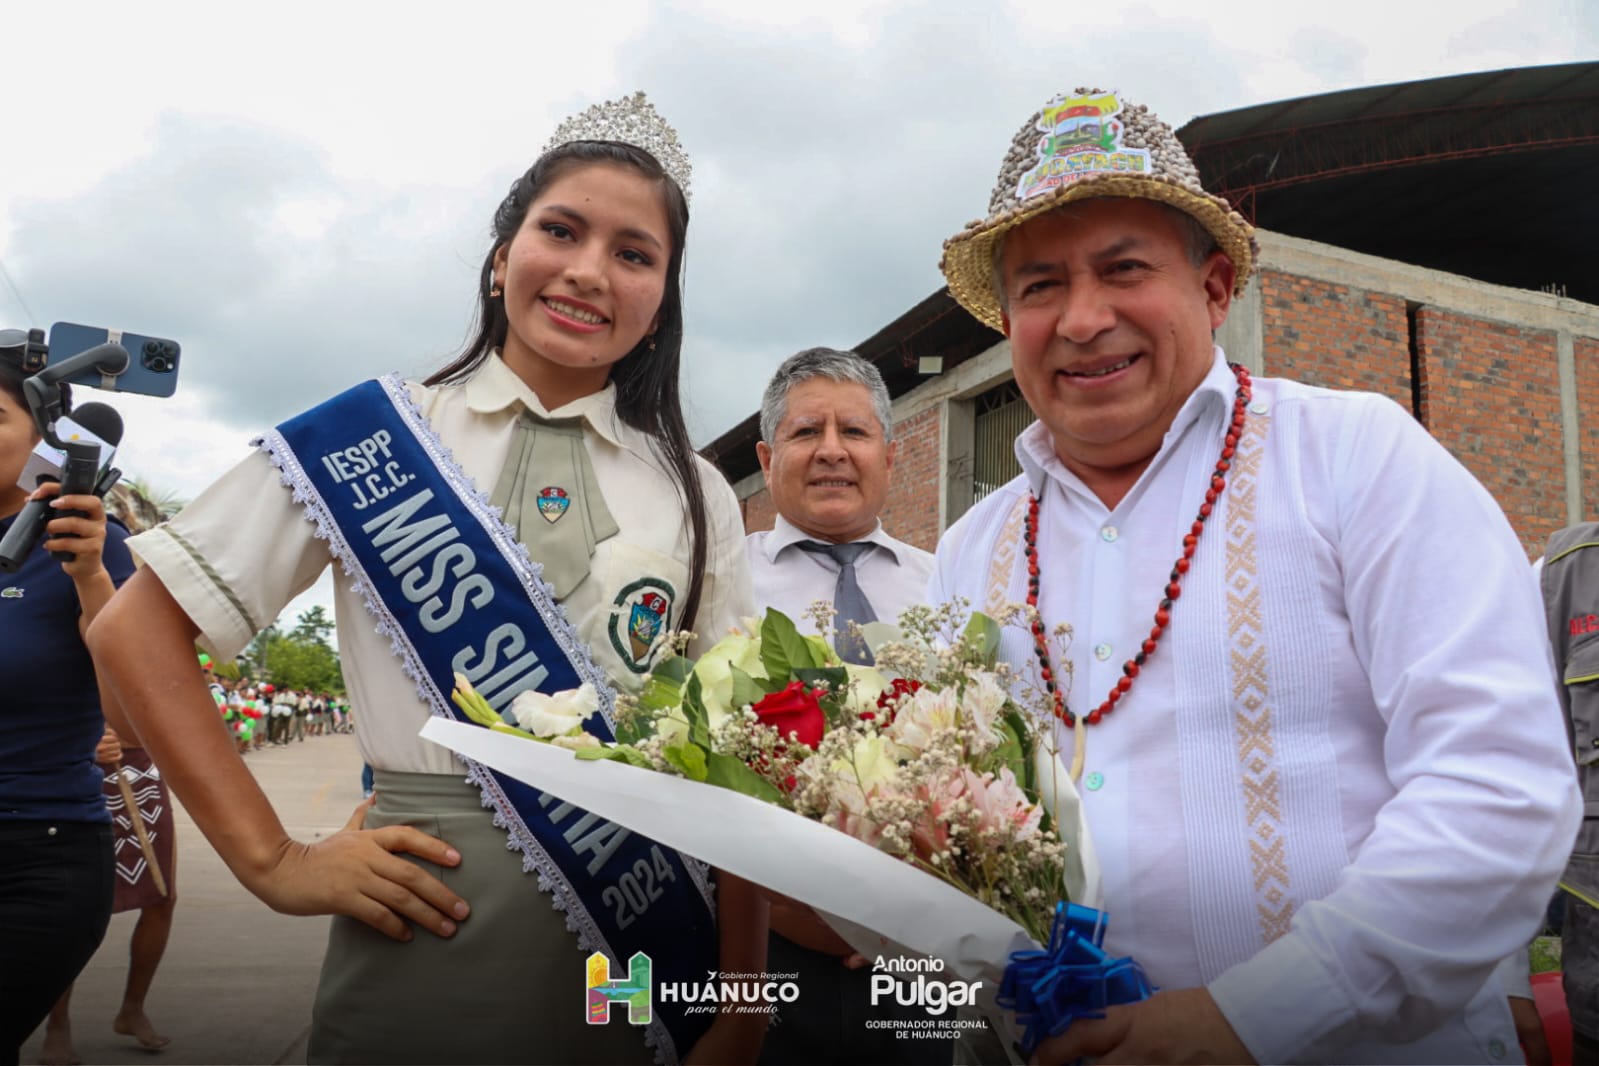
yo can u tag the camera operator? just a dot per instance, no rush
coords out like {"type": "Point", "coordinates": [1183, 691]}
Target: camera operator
{"type": "Point", "coordinates": [56, 859]}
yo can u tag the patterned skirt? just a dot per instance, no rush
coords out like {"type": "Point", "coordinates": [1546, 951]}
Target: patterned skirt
{"type": "Point", "coordinates": [135, 884]}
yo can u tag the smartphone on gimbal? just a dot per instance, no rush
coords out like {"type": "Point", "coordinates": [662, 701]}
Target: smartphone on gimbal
{"type": "Point", "coordinates": [152, 361]}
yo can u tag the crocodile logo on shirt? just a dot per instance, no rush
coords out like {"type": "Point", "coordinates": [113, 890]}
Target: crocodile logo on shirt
{"type": "Point", "coordinates": [11, 592]}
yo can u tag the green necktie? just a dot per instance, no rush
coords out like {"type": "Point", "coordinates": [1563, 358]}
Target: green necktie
{"type": "Point", "coordinates": [551, 499]}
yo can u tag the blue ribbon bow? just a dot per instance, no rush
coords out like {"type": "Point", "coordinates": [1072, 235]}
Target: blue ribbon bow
{"type": "Point", "coordinates": [1072, 978]}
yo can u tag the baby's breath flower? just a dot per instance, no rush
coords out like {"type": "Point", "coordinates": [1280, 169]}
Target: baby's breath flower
{"type": "Point", "coordinates": [926, 802]}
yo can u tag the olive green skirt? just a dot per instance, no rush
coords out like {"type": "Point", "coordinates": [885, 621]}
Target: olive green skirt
{"type": "Point", "coordinates": [509, 986]}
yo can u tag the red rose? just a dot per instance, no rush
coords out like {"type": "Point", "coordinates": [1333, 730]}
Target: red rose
{"type": "Point", "coordinates": [793, 710]}
{"type": "Point", "coordinates": [888, 700]}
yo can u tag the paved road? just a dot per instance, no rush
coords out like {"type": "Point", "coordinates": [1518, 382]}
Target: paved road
{"type": "Point", "coordinates": [237, 981]}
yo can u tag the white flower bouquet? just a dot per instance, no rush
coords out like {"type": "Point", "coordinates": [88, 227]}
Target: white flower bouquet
{"type": "Point", "coordinates": [918, 806]}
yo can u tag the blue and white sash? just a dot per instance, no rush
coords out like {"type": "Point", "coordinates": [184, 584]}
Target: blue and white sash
{"type": "Point", "coordinates": [455, 592]}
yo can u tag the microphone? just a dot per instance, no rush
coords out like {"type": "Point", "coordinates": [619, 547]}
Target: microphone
{"type": "Point", "coordinates": [83, 458]}
{"type": "Point", "coordinates": [78, 477]}
{"type": "Point", "coordinates": [48, 459]}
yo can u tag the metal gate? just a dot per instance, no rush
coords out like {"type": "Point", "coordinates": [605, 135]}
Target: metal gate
{"type": "Point", "coordinates": [1001, 416]}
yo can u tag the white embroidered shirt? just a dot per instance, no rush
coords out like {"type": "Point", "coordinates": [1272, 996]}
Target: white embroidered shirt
{"type": "Point", "coordinates": [1338, 792]}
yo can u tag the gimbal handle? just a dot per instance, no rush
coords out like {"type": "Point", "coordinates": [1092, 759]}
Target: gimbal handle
{"type": "Point", "coordinates": [47, 400]}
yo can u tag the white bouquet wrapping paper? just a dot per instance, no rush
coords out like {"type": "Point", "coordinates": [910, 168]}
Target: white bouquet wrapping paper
{"type": "Point", "coordinates": [882, 905]}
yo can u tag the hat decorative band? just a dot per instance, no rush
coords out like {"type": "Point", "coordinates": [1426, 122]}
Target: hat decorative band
{"type": "Point", "coordinates": [1090, 143]}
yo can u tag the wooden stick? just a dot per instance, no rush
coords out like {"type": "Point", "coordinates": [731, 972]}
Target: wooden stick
{"type": "Point", "coordinates": [1079, 748]}
{"type": "Point", "coordinates": [132, 807]}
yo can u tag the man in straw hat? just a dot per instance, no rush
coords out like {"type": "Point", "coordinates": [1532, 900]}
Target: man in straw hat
{"type": "Point", "coordinates": [1324, 764]}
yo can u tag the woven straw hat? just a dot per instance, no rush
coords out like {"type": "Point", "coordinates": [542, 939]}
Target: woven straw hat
{"type": "Point", "coordinates": [1085, 144]}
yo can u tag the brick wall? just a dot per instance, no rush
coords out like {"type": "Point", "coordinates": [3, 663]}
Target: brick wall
{"type": "Point", "coordinates": [1586, 350]}
{"type": "Point", "coordinates": [1489, 392]}
{"type": "Point", "coordinates": [759, 514]}
{"type": "Point", "coordinates": [911, 511]}
{"type": "Point", "coordinates": [1333, 336]}
{"type": "Point", "coordinates": [1493, 399]}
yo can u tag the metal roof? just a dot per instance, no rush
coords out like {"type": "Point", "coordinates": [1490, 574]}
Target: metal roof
{"type": "Point", "coordinates": [1487, 175]}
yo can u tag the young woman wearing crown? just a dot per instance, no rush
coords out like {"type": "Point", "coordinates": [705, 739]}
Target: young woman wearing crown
{"type": "Point", "coordinates": [533, 517]}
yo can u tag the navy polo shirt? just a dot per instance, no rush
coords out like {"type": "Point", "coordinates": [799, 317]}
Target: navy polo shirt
{"type": "Point", "coordinates": [50, 719]}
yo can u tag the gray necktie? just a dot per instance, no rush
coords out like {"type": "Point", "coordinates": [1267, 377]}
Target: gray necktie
{"type": "Point", "coordinates": [551, 499]}
{"type": "Point", "coordinates": [849, 601]}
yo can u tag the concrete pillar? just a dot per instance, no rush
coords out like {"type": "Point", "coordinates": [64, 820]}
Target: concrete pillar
{"type": "Point", "coordinates": [1570, 425]}
{"type": "Point", "coordinates": [959, 426]}
{"type": "Point", "coordinates": [1243, 335]}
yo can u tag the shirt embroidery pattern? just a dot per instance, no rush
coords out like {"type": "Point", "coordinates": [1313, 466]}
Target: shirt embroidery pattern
{"type": "Point", "coordinates": [1003, 564]}
{"type": "Point", "coordinates": [1252, 718]}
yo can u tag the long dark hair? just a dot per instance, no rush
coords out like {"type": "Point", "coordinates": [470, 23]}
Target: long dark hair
{"type": "Point", "coordinates": [11, 379]}
{"type": "Point", "coordinates": [647, 396]}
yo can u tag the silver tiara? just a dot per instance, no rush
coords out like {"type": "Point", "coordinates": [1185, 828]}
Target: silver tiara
{"type": "Point", "coordinates": [631, 120]}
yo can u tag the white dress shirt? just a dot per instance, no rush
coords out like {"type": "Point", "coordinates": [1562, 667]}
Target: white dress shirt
{"type": "Point", "coordinates": [782, 575]}
{"type": "Point", "coordinates": [1338, 793]}
{"type": "Point", "coordinates": [243, 549]}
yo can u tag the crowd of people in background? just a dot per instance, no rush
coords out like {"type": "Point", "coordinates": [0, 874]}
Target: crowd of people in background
{"type": "Point", "coordinates": [259, 714]}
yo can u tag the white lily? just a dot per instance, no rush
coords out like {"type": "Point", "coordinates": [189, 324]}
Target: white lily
{"type": "Point", "coordinates": [553, 715]}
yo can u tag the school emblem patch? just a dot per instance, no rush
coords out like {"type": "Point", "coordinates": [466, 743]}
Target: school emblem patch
{"type": "Point", "coordinates": [640, 614]}
{"type": "Point", "coordinates": [553, 503]}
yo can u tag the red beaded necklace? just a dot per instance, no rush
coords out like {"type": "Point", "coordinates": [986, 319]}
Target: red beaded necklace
{"type": "Point", "coordinates": [1218, 481]}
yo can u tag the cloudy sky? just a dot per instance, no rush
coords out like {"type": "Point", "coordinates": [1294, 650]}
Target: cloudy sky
{"type": "Point", "coordinates": [300, 193]}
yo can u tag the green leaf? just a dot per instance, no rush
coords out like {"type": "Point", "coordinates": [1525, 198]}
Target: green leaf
{"type": "Point", "coordinates": [730, 773]}
{"type": "Point", "coordinates": [821, 654]}
{"type": "Point", "coordinates": [1016, 726]}
{"type": "Point", "coordinates": [835, 677]}
{"type": "Point", "coordinates": [677, 669]}
{"type": "Point", "coordinates": [634, 727]}
{"type": "Point", "coordinates": [1011, 752]}
{"type": "Point", "coordinates": [745, 689]}
{"type": "Point", "coordinates": [690, 758]}
{"type": "Point", "coordinates": [699, 721]}
{"type": "Point", "coordinates": [664, 689]}
{"type": "Point", "coordinates": [660, 695]}
{"type": "Point", "coordinates": [620, 753]}
{"type": "Point", "coordinates": [783, 650]}
{"type": "Point", "coordinates": [982, 634]}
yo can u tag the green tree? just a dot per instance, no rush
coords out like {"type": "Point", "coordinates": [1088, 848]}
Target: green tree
{"type": "Point", "coordinates": [314, 627]}
{"type": "Point", "coordinates": [300, 658]}
{"type": "Point", "coordinates": [254, 655]}
{"type": "Point", "coordinates": [299, 664]}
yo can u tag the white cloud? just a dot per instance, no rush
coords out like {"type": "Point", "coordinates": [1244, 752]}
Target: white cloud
{"type": "Point", "coordinates": [300, 193]}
